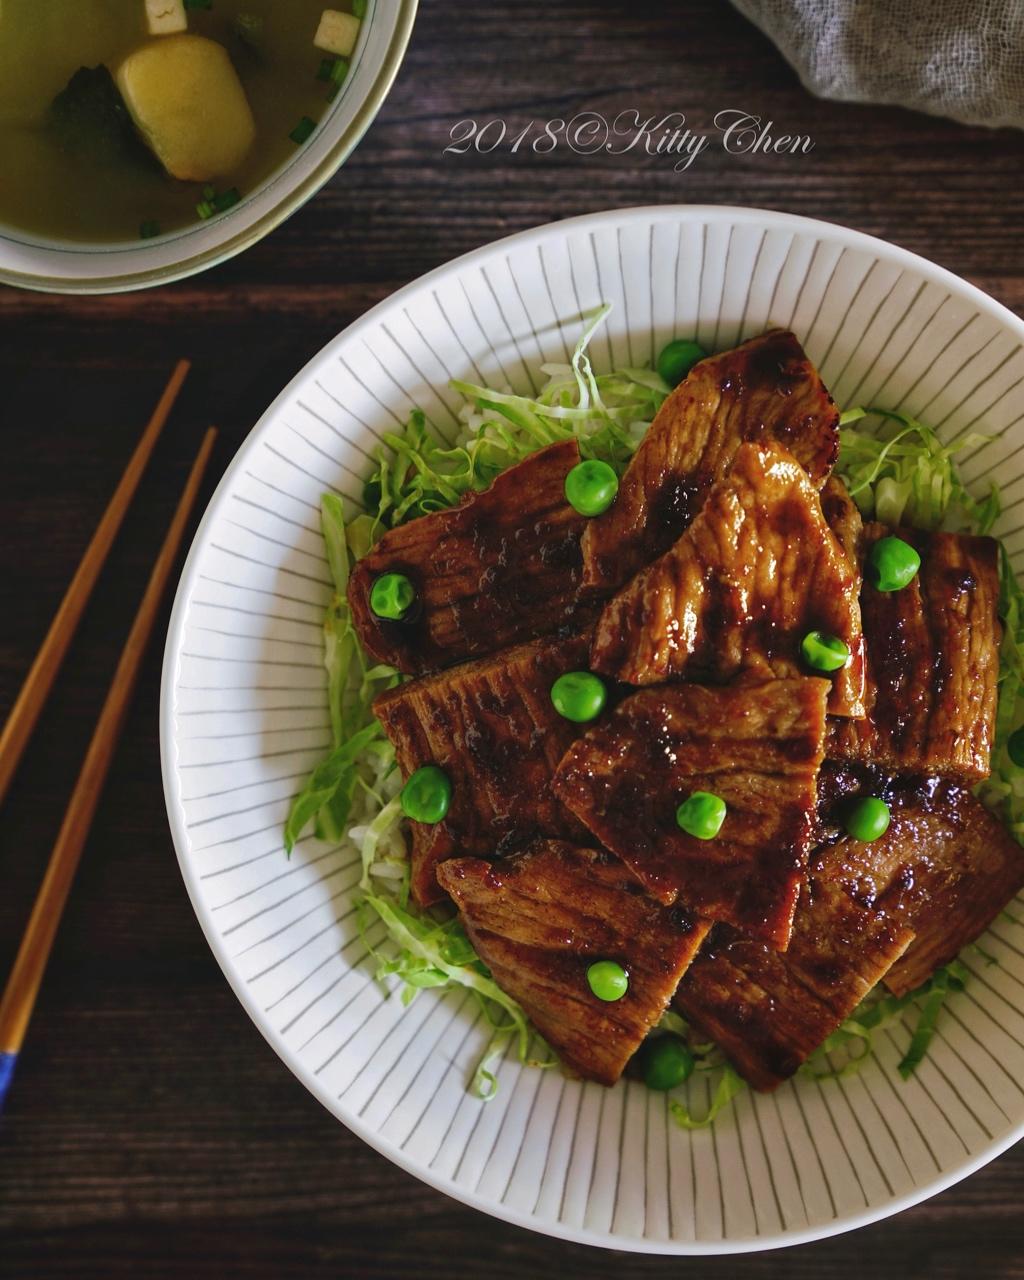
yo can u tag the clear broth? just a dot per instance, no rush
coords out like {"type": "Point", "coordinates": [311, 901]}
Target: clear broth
{"type": "Point", "coordinates": [56, 195]}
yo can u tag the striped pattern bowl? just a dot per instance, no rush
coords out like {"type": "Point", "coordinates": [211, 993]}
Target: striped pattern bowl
{"type": "Point", "coordinates": [244, 719]}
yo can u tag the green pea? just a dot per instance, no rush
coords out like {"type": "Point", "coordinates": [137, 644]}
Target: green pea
{"type": "Point", "coordinates": [702, 815]}
{"type": "Point", "coordinates": [892, 564]}
{"type": "Point", "coordinates": [392, 596]}
{"type": "Point", "coordinates": [823, 652]}
{"type": "Point", "coordinates": [666, 1062]}
{"type": "Point", "coordinates": [678, 358]}
{"type": "Point", "coordinates": [579, 696]}
{"type": "Point", "coordinates": [608, 980]}
{"type": "Point", "coordinates": [1015, 747]}
{"type": "Point", "coordinates": [427, 794]}
{"type": "Point", "coordinates": [591, 486]}
{"type": "Point", "coordinates": [868, 819]}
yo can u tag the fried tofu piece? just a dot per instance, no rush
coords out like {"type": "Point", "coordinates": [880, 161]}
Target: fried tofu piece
{"type": "Point", "coordinates": [501, 567]}
{"type": "Point", "coordinates": [188, 103]}
{"type": "Point", "coordinates": [166, 17]}
{"type": "Point", "coordinates": [768, 1011]}
{"type": "Point", "coordinates": [754, 572]}
{"type": "Point", "coordinates": [757, 746]}
{"type": "Point", "coordinates": [491, 726]}
{"type": "Point", "coordinates": [945, 868]}
{"type": "Point", "coordinates": [540, 919]}
{"type": "Point", "coordinates": [765, 389]}
{"type": "Point", "coordinates": [932, 661]}
{"type": "Point", "coordinates": [337, 33]}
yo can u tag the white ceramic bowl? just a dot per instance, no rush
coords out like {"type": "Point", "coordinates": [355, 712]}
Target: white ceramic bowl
{"type": "Point", "coordinates": [244, 718]}
{"type": "Point", "coordinates": [54, 267]}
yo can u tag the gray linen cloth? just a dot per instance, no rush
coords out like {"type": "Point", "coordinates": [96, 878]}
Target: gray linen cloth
{"type": "Point", "coordinates": [958, 58]}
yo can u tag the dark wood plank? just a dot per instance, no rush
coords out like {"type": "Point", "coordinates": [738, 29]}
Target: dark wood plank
{"type": "Point", "coordinates": [151, 1130]}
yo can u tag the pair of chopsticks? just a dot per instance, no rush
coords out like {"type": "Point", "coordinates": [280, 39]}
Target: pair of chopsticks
{"type": "Point", "coordinates": [30, 963]}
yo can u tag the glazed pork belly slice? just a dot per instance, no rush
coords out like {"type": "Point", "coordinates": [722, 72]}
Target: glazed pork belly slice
{"type": "Point", "coordinates": [491, 727]}
{"type": "Point", "coordinates": [501, 567]}
{"type": "Point", "coordinates": [766, 388]}
{"type": "Point", "coordinates": [754, 572]}
{"type": "Point", "coordinates": [945, 868]}
{"type": "Point", "coordinates": [757, 746]}
{"type": "Point", "coordinates": [932, 661]}
{"type": "Point", "coordinates": [538, 920]}
{"type": "Point", "coordinates": [768, 1011]}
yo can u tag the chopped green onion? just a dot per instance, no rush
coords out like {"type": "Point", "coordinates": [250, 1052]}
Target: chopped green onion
{"type": "Point", "coordinates": [212, 203]}
{"type": "Point", "coordinates": [303, 131]}
{"type": "Point", "coordinates": [248, 27]}
{"type": "Point", "coordinates": [338, 73]}
{"type": "Point", "coordinates": [148, 230]}
{"type": "Point", "coordinates": [227, 199]}
{"type": "Point", "coordinates": [359, 8]}
{"type": "Point", "coordinates": [326, 67]}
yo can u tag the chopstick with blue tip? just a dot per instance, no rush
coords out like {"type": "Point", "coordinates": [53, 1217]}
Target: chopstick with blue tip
{"type": "Point", "coordinates": [39, 681]}
{"type": "Point", "coordinates": [30, 963]}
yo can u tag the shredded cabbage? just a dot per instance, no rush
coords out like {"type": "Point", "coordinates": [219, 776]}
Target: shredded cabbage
{"type": "Point", "coordinates": [607, 414]}
{"type": "Point", "coordinates": [853, 1041]}
{"type": "Point", "coordinates": [361, 756]}
{"type": "Point", "coordinates": [897, 470]}
{"type": "Point", "coordinates": [902, 473]}
{"type": "Point", "coordinates": [730, 1083]}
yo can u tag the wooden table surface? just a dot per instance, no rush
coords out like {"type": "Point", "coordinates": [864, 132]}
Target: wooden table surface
{"type": "Point", "coordinates": [151, 1131]}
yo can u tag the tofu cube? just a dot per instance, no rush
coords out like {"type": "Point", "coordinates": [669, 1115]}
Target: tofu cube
{"type": "Point", "coordinates": [166, 17]}
{"type": "Point", "coordinates": [337, 33]}
{"type": "Point", "coordinates": [189, 105]}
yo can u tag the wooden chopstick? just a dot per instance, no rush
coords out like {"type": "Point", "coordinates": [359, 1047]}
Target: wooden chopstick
{"type": "Point", "coordinates": [39, 681]}
{"type": "Point", "coordinates": [30, 962]}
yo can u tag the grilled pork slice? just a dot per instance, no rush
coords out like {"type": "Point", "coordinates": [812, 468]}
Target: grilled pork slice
{"type": "Point", "coordinates": [491, 726]}
{"type": "Point", "coordinates": [754, 572]}
{"type": "Point", "coordinates": [945, 868]}
{"type": "Point", "coordinates": [503, 566]}
{"type": "Point", "coordinates": [757, 746]}
{"type": "Point", "coordinates": [769, 1011]}
{"type": "Point", "coordinates": [540, 919]}
{"type": "Point", "coordinates": [766, 388]}
{"type": "Point", "coordinates": [932, 662]}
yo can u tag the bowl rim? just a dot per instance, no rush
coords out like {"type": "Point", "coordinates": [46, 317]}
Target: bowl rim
{"type": "Point", "coordinates": [293, 200]}
{"type": "Point", "coordinates": [617, 218]}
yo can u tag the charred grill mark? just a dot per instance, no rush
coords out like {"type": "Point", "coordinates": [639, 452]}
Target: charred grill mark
{"type": "Point", "coordinates": [491, 726]}
{"type": "Point", "coordinates": [764, 389]}
{"type": "Point", "coordinates": [943, 870]}
{"type": "Point", "coordinates": [503, 566]}
{"type": "Point", "coordinates": [767, 1010]}
{"type": "Point", "coordinates": [539, 919]}
{"type": "Point", "coordinates": [756, 570]}
{"type": "Point", "coordinates": [757, 746]}
{"type": "Point", "coordinates": [932, 656]}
